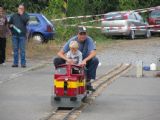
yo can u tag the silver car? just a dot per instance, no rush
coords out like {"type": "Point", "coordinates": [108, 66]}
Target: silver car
{"type": "Point", "coordinates": [125, 23]}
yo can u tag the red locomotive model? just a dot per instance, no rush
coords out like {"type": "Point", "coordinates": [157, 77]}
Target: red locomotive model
{"type": "Point", "coordinates": [69, 86]}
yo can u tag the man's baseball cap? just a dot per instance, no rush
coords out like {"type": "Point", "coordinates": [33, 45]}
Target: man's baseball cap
{"type": "Point", "coordinates": [82, 29]}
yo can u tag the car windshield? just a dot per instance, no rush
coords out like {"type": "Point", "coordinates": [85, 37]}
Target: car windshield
{"type": "Point", "coordinates": [155, 14]}
{"type": "Point", "coordinates": [115, 16]}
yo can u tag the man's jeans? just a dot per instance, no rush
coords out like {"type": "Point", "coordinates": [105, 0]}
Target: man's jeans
{"type": "Point", "coordinates": [19, 43]}
{"type": "Point", "coordinates": [91, 68]}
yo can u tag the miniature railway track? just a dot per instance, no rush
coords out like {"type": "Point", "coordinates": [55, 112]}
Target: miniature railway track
{"type": "Point", "coordinates": [101, 83]}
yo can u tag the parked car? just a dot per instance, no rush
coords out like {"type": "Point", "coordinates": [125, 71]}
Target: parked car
{"type": "Point", "coordinates": [40, 29]}
{"type": "Point", "coordinates": [154, 19]}
{"type": "Point", "coordinates": [125, 23]}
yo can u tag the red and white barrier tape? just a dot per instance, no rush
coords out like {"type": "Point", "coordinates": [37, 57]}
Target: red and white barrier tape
{"type": "Point", "coordinates": [142, 28]}
{"type": "Point", "coordinates": [85, 26]}
{"type": "Point", "coordinates": [138, 10]}
{"type": "Point", "coordinates": [120, 28]}
{"type": "Point", "coordinates": [88, 22]}
{"type": "Point", "coordinates": [92, 21]}
{"type": "Point", "coordinates": [75, 17]}
{"type": "Point", "coordinates": [136, 27]}
{"type": "Point", "coordinates": [88, 16]}
{"type": "Point", "coordinates": [152, 30]}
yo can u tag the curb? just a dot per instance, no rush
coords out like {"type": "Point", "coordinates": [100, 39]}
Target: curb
{"type": "Point", "coordinates": [16, 75]}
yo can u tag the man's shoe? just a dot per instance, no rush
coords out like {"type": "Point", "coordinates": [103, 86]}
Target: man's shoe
{"type": "Point", "coordinates": [90, 88]}
{"type": "Point", "coordinates": [14, 65]}
{"type": "Point", "coordinates": [4, 64]}
{"type": "Point", "coordinates": [23, 66]}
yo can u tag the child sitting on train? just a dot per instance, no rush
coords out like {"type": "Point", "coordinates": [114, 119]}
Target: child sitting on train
{"type": "Point", "coordinates": [74, 54]}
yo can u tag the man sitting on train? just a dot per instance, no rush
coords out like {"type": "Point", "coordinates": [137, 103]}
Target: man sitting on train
{"type": "Point", "coordinates": [88, 49]}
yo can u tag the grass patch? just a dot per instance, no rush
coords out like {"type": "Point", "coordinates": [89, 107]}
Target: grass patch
{"type": "Point", "coordinates": [36, 51]}
{"type": "Point", "coordinates": [48, 50]}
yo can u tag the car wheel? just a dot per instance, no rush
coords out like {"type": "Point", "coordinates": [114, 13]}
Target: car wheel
{"type": "Point", "coordinates": [38, 38]}
{"type": "Point", "coordinates": [148, 34]}
{"type": "Point", "coordinates": [132, 35]}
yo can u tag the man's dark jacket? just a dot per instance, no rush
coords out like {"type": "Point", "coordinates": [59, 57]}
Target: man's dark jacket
{"type": "Point", "coordinates": [20, 21]}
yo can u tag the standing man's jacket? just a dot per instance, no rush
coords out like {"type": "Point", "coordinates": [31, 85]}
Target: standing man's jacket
{"type": "Point", "coordinates": [20, 21]}
{"type": "Point", "coordinates": [3, 27]}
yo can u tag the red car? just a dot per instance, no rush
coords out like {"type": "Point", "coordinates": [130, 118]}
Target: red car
{"type": "Point", "coordinates": [154, 19]}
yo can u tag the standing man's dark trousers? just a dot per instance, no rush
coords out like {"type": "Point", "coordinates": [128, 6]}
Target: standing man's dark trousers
{"type": "Point", "coordinates": [2, 50]}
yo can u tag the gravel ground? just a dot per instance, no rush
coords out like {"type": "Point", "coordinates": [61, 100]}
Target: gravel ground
{"type": "Point", "coordinates": [130, 51]}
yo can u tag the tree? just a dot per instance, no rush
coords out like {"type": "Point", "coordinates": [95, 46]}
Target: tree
{"type": "Point", "coordinates": [31, 5]}
{"type": "Point", "coordinates": [128, 4]}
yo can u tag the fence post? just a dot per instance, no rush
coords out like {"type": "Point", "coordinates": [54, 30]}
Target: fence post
{"type": "Point", "coordinates": [158, 64]}
{"type": "Point", "coordinates": [139, 69]}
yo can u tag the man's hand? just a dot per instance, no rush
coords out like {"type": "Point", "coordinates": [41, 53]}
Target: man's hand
{"type": "Point", "coordinates": [70, 61]}
{"type": "Point", "coordinates": [84, 62]}
{"type": "Point", "coordinates": [11, 25]}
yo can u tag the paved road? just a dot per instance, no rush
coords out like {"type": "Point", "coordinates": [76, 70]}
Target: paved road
{"type": "Point", "coordinates": [7, 73]}
{"type": "Point", "coordinates": [128, 98]}
{"type": "Point", "coordinates": [27, 96]}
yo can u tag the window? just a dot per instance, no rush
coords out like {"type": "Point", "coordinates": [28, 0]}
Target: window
{"type": "Point", "coordinates": [61, 71]}
{"type": "Point", "coordinates": [76, 70]}
{"type": "Point", "coordinates": [33, 20]}
{"type": "Point", "coordinates": [113, 16]}
{"type": "Point", "coordinates": [132, 16]}
{"type": "Point", "coordinates": [139, 18]}
{"type": "Point", "coordinates": [155, 14]}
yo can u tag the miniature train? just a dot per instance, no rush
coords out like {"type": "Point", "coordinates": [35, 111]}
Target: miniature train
{"type": "Point", "coordinates": [69, 87]}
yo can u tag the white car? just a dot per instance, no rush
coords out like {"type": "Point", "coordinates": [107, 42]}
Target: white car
{"type": "Point", "coordinates": [125, 23]}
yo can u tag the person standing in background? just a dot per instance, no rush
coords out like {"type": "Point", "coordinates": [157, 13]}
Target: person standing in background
{"type": "Point", "coordinates": [18, 23]}
{"type": "Point", "coordinates": [3, 33]}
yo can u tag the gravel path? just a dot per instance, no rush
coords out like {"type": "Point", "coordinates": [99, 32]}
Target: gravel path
{"type": "Point", "coordinates": [130, 51]}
